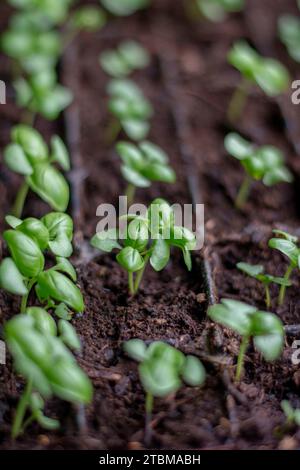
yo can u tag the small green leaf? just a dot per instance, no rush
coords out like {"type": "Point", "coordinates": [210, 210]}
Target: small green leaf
{"type": "Point", "coordinates": [286, 247]}
{"type": "Point", "coordinates": [160, 255]}
{"type": "Point", "coordinates": [237, 146]}
{"type": "Point", "coordinates": [136, 129]}
{"type": "Point", "coordinates": [89, 18]}
{"type": "Point", "coordinates": [130, 259]}
{"type": "Point", "coordinates": [113, 64]}
{"type": "Point", "coordinates": [134, 54]}
{"type": "Point", "coordinates": [272, 77]}
{"type": "Point", "coordinates": [68, 335]}
{"type": "Point", "coordinates": [42, 320]}
{"type": "Point", "coordinates": [134, 177]}
{"type": "Point", "coordinates": [64, 266]}
{"type": "Point", "coordinates": [16, 160]}
{"type": "Point", "coordinates": [193, 372]}
{"type": "Point", "coordinates": [36, 230]}
{"type": "Point", "coordinates": [153, 153]}
{"type": "Point", "coordinates": [233, 314]}
{"type": "Point", "coordinates": [59, 287]}
{"type": "Point", "coordinates": [11, 279]}
{"type": "Point", "coordinates": [60, 227]}
{"type": "Point", "coordinates": [62, 311]}
{"type": "Point", "coordinates": [106, 241]}
{"type": "Point", "coordinates": [25, 253]}
{"type": "Point", "coordinates": [31, 142]}
{"type": "Point", "coordinates": [50, 185]}
{"type": "Point", "coordinates": [250, 269]}
{"type": "Point", "coordinates": [60, 153]}
{"type": "Point", "coordinates": [13, 221]}
{"type": "Point", "coordinates": [136, 349]}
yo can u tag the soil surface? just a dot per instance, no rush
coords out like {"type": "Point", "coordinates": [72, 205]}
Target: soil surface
{"type": "Point", "coordinates": [189, 83]}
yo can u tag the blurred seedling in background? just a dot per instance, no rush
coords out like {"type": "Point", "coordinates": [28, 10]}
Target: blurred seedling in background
{"type": "Point", "coordinates": [28, 155]}
{"type": "Point", "coordinates": [142, 164]}
{"type": "Point", "coordinates": [269, 74]}
{"type": "Point", "coordinates": [257, 272]}
{"type": "Point", "coordinates": [287, 245]}
{"type": "Point", "coordinates": [36, 47]}
{"type": "Point", "coordinates": [148, 238]}
{"type": "Point", "coordinates": [217, 10]}
{"type": "Point", "coordinates": [292, 415]}
{"type": "Point", "coordinates": [162, 368]}
{"type": "Point", "coordinates": [264, 164]}
{"type": "Point", "coordinates": [124, 7]}
{"type": "Point", "coordinates": [128, 57]}
{"type": "Point", "coordinates": [130, 109]}
{"type": "Point", "coordinates": [28, 240]}
{"type": "Point", "coordinates": [289, 33]}
{"type": "Point", "coordinates": [49, 368]}
{"type": "Point", "coordinates": [264, 327]}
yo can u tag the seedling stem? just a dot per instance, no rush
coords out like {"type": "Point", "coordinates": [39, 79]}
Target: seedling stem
{"type": "Point", "coordinates": [238, 101]}
{"type": "Point", "coordinates": [240, 362]}
{"type": "Point", "coordinates": [130, 193]}
{"type": "Point", "coordinates": [149, 409]}
{"type": "Point", "coordinates": [283, 288]}
{"type": "Point", "coordinates": [268, 296]}
{"type": "Point", "coordinates": [243, 192]}
{"type": "Point", "coordinates": [20, 200]}
{"type": "Point", "coordinates": [25, 297]}
{"type": "Point", "coordinates": [21, 410]}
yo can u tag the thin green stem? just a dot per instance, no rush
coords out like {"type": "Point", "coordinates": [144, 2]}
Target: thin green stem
{"type": "Point", "coordinates": [238, 101]}
{"type": "Point", "coordinates": [283, 288]}
{"type": "Point", "coordinates": [131, 283]}
{"type": "Point", "coordinates": [130, 193]}
{"type": "Point", "coordinates": [240, 362]}
{"type": "Point", "coordinates": [25, 297]}
{"type": "Point", "coordinates": [140, 274]}
{"type": "Point", "coordinates": [21, 410]}
{"type": "Point", "coordinates": [148, 409]}
{"type": "Point", "coordinates": [268, 296]}
{"type": "Point", "coordinates": [20, 200]}
{"type": "Point", "coordinates": [243, 193]}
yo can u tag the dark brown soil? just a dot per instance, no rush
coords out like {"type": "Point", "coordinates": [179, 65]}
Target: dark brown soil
{"type": "Point", "coordinates": [171, 306]}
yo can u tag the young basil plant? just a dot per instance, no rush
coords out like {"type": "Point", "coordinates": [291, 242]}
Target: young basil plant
{"type": "Point", "coordinates": [53, 12]}
{"type": "Point", "coordinates": [49, 368]}
{"type": "Point", "coordinates": [124, 7]}
{"type": "Point", "coordinates": [292, 415]}
{"type": "Point", "coordinates": [27, 242]}
{"type": "Point", "coordinates": [145, 239]}
{"type": "Point", "coordinates": [128, 57]}
{"type": "Point", "coordinates": [264, 164]}
{"type": "Point", "coordinates": [162, 368]}
{"type": "Point", "coordinates": [257, 272]}
{"type": "Point", "coordinates": [142, 164]}
{"type": "Point", "coordinates": [289, 33]}
{"type": "Point", "coordinates": [130, 108]}
{"type": "Point", "coordinates": [29, 156]}
{"type": "Point", "coordinates": [216, 10]}
{"type": "Point", "coordinates": [264, 327]}
{"type": "Point", "coordinates": [287, 245]}
{"type": "Point", "coordinates": [269, 74]}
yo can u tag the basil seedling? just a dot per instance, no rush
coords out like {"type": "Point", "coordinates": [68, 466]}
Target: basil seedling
{"type": "Point", "coordinates": [269, 74]}
{"type": "Point", "coordinates": [130, 108]}
{"type": "Point", "coordinates": [264, 164]}
{"type": "Point", "coordinates": [27, 242]}
{"type": "Point", "coordinates": [265, 328]}
{"type": "Point", "coordinates": [216, 10]}
{"type": "Point", "coordinates": [51, 11]}
{"type": "Point", "coordinates": [125, 7]}
{"type": "Point", "coordinates": [142, 164]}
{"type": "Point", "coordinates": [42, 358]}
{"type": "Point", "coordinates": [162, 368]}
{"type": "Point", "coordinates": [287, 245]}
{"type": "Point", "coordinates": [292, 415]}
{"type": "Point", "coordinates": [29, 156]}
{"type": "Point", "coordinates": [147, 239]}
{"type": "Point", "coordinates": [129, 56]}
{"type": "Point", "coordinates": [257, 272]}
{"type": "Point", "coordinates": [289, 33]}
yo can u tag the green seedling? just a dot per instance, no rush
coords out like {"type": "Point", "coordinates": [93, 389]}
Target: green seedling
{"type": "Point", "coordinates": [289, 33]}
{"type": "Point", "coordinates": [269, 74]}
{"type": "Point", "coordinates": [52, 12]}
{"type": "Point", "coordinates": [257, 272]}
{"type": "Point", "coordinates": [216, 10]}
{"type": "Point", "coordinates": [143, 164]}
{"type": "Point", "coordinates": [287, 245]}
{"type": "Point", "coordinates": [130, 108]}
{"type": "Point", "coordinates": [148, 238]}
{"type": "Point", "coordinates": [49, 368]}
{"type": "Point", "coordinates": [27, 242]}
{"type": "Point", "coordinates": [264, 327]}
{"type": "Point", "coordinates": [127, 58]}
{"type": "Point", "coordinates": [29, 156]}
{"type": "Point", "coordinates": [124, 7]}
{"type": "Point", "coordinates": [162, 368]}
{"type": "Point", "coordinates": [264, 164]}
{"type": "Point", "coordinates": [292, 415]}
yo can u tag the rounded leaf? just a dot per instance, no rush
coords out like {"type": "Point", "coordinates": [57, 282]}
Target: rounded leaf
{"type": "Point", "coordinates": [130, 259]}
{"type": "Point", "coordinates": [59, 287]}
{"type": "Point", "coordinates": [25, 253]}
{"type": "Point", "coordinates": [68, 335]}
{"type": "Point", "coordinates": [43, 321]}
{"type": "Point", "coordinates": [136, 349]}
{"type": "Point", "coordinates": [193, 372]}
{"type": "Point", "coordinates": [11, 279]}
{"type": "Point", "coordinates": [16, 160]}
{"type": "Point", "coordinates": [31, 142]}
{"type": "Point", "coordinates": [36, 230]}
{"type": "Point", "coordinates": [60, 152]}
